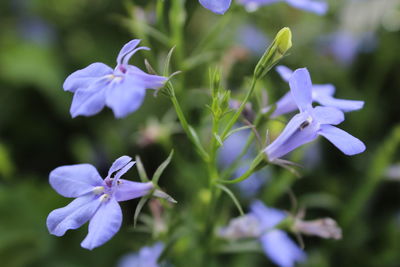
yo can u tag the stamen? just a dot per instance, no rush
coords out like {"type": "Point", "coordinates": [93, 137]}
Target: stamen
{"type": "Point", "coordinates": [98, 190]}
{"type": "Point", "coordinates": [104, 197]}
{"type": "Point", "coordinates": [305, 123]}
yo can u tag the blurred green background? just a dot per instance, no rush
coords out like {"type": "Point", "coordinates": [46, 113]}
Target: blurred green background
{"type": "Point", "coordinates": [43, 41]}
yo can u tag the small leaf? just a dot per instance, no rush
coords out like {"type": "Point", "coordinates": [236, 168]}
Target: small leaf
{"type": "Point", "coordinates": [168, 61]}
{"type": "Point", "coordinates": [232, 196]}
{"type": "Point", "coordinates": [218, 138]}
{"type": "Point", "coordinates": [161, 194]}
{"type": "Point", "coordinates": [239, 129]}
{"type": "Point", "coordinates": [139, 208]}
{"type": "Point", "coordinates": [161, 168]}
{"type": "Point", "coordinates": [142, 172]}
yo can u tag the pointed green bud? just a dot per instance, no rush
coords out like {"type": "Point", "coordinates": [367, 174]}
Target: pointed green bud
{"type": "Point", "coordinates": [281, 44]}
{"type": "Point", "coordinates": [216, 82]}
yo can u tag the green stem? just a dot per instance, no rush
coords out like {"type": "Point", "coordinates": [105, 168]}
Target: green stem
{"type": "Point", "coordinates": [239, 111]}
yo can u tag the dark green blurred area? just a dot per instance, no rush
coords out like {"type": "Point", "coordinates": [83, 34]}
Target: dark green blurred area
{"type": "Point", "coordinates": [42, 42]}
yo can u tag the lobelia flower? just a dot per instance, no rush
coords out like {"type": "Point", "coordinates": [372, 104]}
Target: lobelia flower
{"type": "Point", "coordinates": [216, 6]}
{"type": "Point", "coordinates": [314, 6]}
{"type": "Point", "coordinates": [122, 89]}
{"type": "Point", "coordinates": [146, 257]}
{"type": "Point", "coordinates": [320, 93]}
{"type": "Point", "coordinates": [311, 122]}
{"type": "Point", "coordinates": [276, 244]}
{"type": "Point", "coordinates": [260, 223]}
{"type": "Point", "coordinates": [96, 199]}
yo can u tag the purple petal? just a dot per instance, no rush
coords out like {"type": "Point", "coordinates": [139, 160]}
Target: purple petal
{"type": "Point", "coordinates": [300, 87]}
{"type": "Point", "coordinates": [127, 190]}
{"type": "Point", "coordinates": [284, 72]}
{"type": "Point", "coordinates": [89, 101]}
{"type": "Point", "coordinates": [128, 50]}
{"type": "Point", "coordinates": [268, 217]}
{"type": "Point", "coordinates": [281, 249]}
{"type": "Point", "coordinates": [216, 6]}
{"type": "Point", "coordinates": [125, 96]}
{"type": "Point", "coordinates": [342, 104]}
{"type": "Point", "coordinates": [75, 180]}
{"type": "Point", "coordinates": [72, 216]}
{"type": "Point", "coordinates": [104, 224]}
{"type": "Point", "coordinates": [85, 77]}
{"type": "Point", "coordinates": [347, 143]}
{"type": "Point", "coordinates": [317, 7]}
{"type": "Point", "coordinates": [319, 90]}
{"type": "Point", "coordinates": [328, 115]}
{"type": "Point", "coordinates": [296, 133]}
{"type": "Point", "coordinates": [118, 164]}
{"type": "Point", "coordinates": [147, 80]}
{"type": "Point", "coordinates": [147, 256]}
{"type": "Point", "coordinates": [122, 172]}
{"type": "Point", "coordinates": [284, 105]}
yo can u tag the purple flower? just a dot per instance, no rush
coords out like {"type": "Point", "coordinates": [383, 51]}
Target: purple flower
{"type": "Point", "coordinates": [96, 199]}
{"type": "Point", "coordinates": [320, 93]}
{"type": "Point", "coordinates": [122, 89]}
{"type": "Point", "coordinates": [216, 6]}
{"type": "Point", "coordinates": [311, 122]}
{"type": "Point", "coordinates": [146, 257]}
{"type": "Point", "coordinates": [315, 6]}
{"type": "Point", "coordinates": [276, 244]}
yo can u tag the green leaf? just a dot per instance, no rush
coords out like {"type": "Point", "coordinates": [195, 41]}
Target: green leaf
{"type": "Point", "coordinates": [161, 168]}
{"type": "Point", "coordinates": [168, 62]}
{"type": "Point", "coordinates": [218, 138]}
{"type": "Point", "coordinates": [139, 208]}
{"type": "Point", "coordinates": [142, 172]}
{"type": "Point", "coordinates": [238, 130]}
{"type": "Point", "coordinates": [232, 196]}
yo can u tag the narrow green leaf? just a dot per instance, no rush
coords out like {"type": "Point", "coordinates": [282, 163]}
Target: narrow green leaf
{"type": "Point", "coordinates": [238, 130]}
{"type": "Point", "coordinates": [168, 62]}
{"type": "Point", "coordinates": [139, 208]}
{"type": "Point", "coordinates": [142, 172]}
{"type": "Point", "coordinates": [219, 140]}
{"type": "Point", "coordinates": [161, 168]}
{"type": "Point", "coordinates": [232, 196]}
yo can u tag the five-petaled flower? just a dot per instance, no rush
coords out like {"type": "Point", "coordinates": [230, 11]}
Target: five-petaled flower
{"type": "Point", "coordinates": [317, 7]}
{"type": "Point", "coordinates": [311, 122]}
{"type": "Point", "coordinates": [122, 89]}
{"type": "Point", "coordinates": [320, 93]}
{"type": "Point", "coordinates": [96, 199]}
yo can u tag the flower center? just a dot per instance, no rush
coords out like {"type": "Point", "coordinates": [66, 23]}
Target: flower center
{"type": "Point", "coordinates": [306, 123]}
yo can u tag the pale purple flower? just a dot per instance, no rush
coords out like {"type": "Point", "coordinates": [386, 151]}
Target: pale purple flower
{"type": "Point", "coordinates": [122, 89]}
{"type": "Point", "coordinates": [96, 199]}
{"type": "Point", "coordinates": [320, 93]}
{"type": "Point", "coordinates": [276, 244]}
{"type": "Point", "coordinates": [311, 122]}
{"type": "Point", "coordinates": [216, 6]}
{"type": "Point", "coordinates": [146, 257]}
{"type": "Point", "coordinates": [314, 6]}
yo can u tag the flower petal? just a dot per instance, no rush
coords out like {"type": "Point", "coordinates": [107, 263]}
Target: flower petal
{"type": "Point", "coordinates": [300, 87]}
{"type": "Point", "coordinates": [128, 50]}
{"type": "Point", "coordinates": [147, 80]}
{"type": "Point", "coordinates": [320, 90]}
{"type": "Point", "coordinates": [118, 164]}
{"type": "Point", "coordinates": [125, 97]}
{"type": "Point", "coordinates": [328, 115]}
{"type": "Point", "coordinates": [72, 216]}
{"type": "Point", "coordinates": [281, 249]}
{"type": "Point", "coordinates": [268, 217]}
{"type": "Point", "coordinates": [284, 105]}
{"type": "Point", "coordinates": [216, 6]}
{"type": "Point", "coordinates": [85, 77]}
{"type": "Point", "coordinates": [347, 143]}
{"type": "Point", "coordinates": [104, 224]}
{"type": "Point", "coordinates": [342, 104]}
{"type": "Point", "coordinates": [284, 72]}
{"type": "Point", "coordinates": [89, 101]}
{"type": "Point", "coordinates": [317, 7]}
{"type": "Point", "coordinates": [127, 190]}
{"type": "Point", "coordinates": [75, 180]}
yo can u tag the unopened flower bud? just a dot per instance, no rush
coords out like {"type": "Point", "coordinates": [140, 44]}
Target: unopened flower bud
{"type": "Point", "coordinates": [246, 226]}
{"type": "Point", "coordinates": [281, 44]}
{"type": "Point", "coordinates": [325, 228]}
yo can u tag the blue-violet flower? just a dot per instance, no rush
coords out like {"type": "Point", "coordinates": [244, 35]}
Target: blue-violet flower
{"type": "Point", "coordinates": [320, 93]}
{"type": "Point", "coordinates": [96, 199]}
{"type": "Point", "coordinates": [317, 7]}
{"type": "Point", "coordinates": [122, 89]}
{"type": "Point", "coordinates": [216, 6]}
{"type": "Point", "coordinates": [311, 122]}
